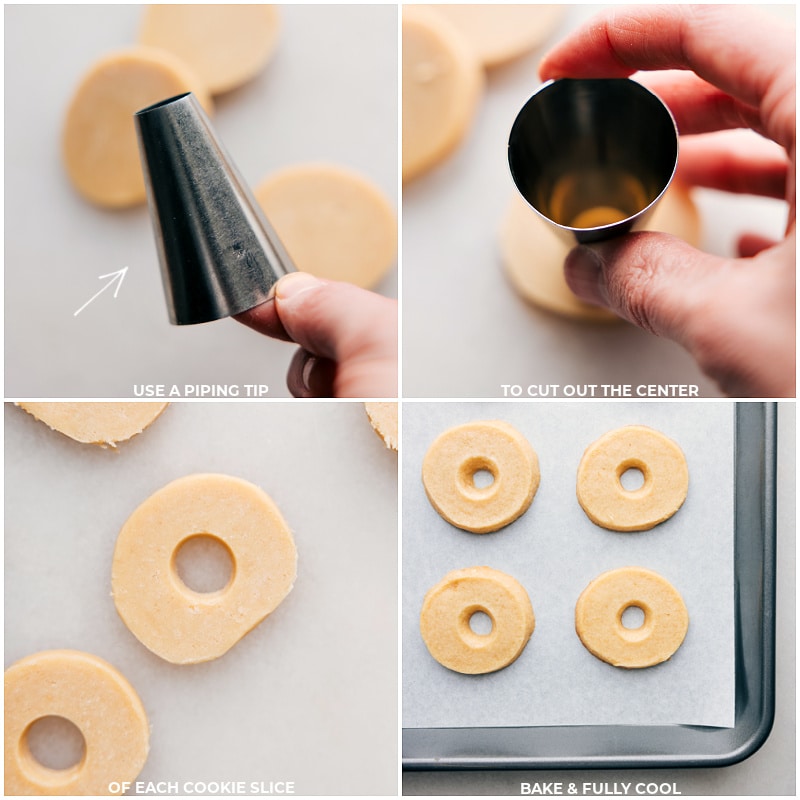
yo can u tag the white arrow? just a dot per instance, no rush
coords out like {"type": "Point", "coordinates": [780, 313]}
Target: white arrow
{"type": "Point", "coordinates": [117, 277]}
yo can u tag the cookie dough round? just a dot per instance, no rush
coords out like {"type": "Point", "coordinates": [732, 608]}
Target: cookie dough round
{"type": "Point", "coordinates": [499, 33]}
{"type": "Point", "coordinates": [442, 84]}
{"type": "Point", "coordinates": [449, 606]}
{"type": "Point", "coordinates": [599, 610]}
{"type": "Point", "coordinates": [533, 254]}
{"type": "Point", "coordinates": [180, 625]}
{"type": "Point", "coordinates": [100, 150]}
{"type": "Point", "coordinates": [383, 418]}
{"type": "Point", "coordinates": [96, 423]}
{"type": "Point", "coordinates": [92, 695]}
{"type": "Point", "coordinates": [224, 45]}
{"type": "Point", "coordinates": [662, 463]}
{"type": "Point", "coordinates": [454, 458]}
{"type": "Point", "coordinates": [333, 222]}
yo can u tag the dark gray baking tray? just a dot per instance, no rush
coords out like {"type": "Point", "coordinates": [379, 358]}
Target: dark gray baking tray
{"type": "Point", "coordinates": [594, 746]}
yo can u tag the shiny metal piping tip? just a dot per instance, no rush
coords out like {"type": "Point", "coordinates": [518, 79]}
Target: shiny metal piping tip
{"type": "Point", "coordinates": [593, 157]}
{"type": "Point", "coordinates": [219, 255]}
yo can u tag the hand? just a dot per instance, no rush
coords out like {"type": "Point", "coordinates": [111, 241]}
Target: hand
{"type": "Point", "coordinates": [347, 336]}
{"type": "Point", "coordinates": [735, 316]}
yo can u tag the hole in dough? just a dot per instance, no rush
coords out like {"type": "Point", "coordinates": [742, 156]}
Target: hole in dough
{"type": "Point", "coordinates": [632, 479]}
{"type": "Point", "coordinates": [632, 618]}
{"type": "Point", "coordinates": [482, 479]}
{"type": "Point", "coordinates": [481, 623]}
{"type": "Point", "coordinates": [55, 742]}
{"type": "Point", "coordinates": [204, 564]}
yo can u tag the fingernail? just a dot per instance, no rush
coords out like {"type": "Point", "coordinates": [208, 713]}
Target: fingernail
{"type": "Point", "coordinates": [583, 270]}
{"type": "Point", "coordinates": [295, 283]}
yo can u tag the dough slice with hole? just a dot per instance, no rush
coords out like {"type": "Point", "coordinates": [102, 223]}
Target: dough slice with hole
{"type": "Point", "coordinates": [96, 423]}
{"type": "Point", "coordinates": [499, 33]}
{"type": "Point", "coordinates": [100, 150]}
{"type": "Point", "coordinates": [442, 84]}
{"type": "Point", "coordinates": [224, 45]}
{"type": "Point", "coordinates": [533, 254]}
{"type": "Point", "coordinates": [334, 223]}
{"type": "Point", "coordinates": [383, 418]}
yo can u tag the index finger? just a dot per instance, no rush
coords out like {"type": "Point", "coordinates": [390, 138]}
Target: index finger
{"type": "Point", "coordinates": [745, 53]}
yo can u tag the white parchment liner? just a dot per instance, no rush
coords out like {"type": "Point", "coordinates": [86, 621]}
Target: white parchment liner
{"type": "Point", "coordinates": [554, 550]}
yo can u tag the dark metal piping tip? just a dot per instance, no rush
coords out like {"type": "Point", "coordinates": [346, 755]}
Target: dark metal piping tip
{"type": "Point", "coordinates": [219, 255]}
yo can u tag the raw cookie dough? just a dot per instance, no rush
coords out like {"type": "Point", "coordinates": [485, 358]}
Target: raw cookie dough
{"type": "Point", "coordinates": [450, 465]}
{"type": "Point", "coordinates": [500, 33]}
{"type": "Point", "coordinates": [442, 84]}
{"type": "Point", "coordinates": [99, 143]}
{"type": "Point", "coordinates": [180, 625]}
{"type": "Point", "coordinates": [383, 418]}
{"type": "Point", "coordinates": [598, 618]}
{"type": "Point", "coordinates": [97, 699]}
{"type": "Point", "coordinates": [96, 423]}
{"type": "Point", "coordinates": [224, 45]}
{"type": "Point", "coordinates": [533, 254]}
{"type": "Point", "coordinates": [449, 606]}
{"type": "Point", "coordinates": [661, 462]}
{"type": "Point", "coordinates": [334, 223]}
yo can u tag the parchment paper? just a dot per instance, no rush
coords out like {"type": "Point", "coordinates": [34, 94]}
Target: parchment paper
{"type": "Point", "coordinates": [554, 550]}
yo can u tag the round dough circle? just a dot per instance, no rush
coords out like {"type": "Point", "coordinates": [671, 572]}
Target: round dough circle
{"type": "Point", "coordinates": [533, 254]}
{"type": "Point", "coordinates": [100, 149]}
{"type": "Point", "coordinates": [442, 83]}
{"type": "Point", "coordinates": [449, 606]}
{"type": "Point", "coordinates": [661, 462]}
{"type": "Point", "coordinates": [224, 45]}
{"type": "Point", "coordinates": [92, 695]}
{"type": "Point", "coordinates": [598, 618]}
{"type": "Point", "coordinates": [500, 33]}
{"type": "Point", "coordinates": [96, 423]}
{"type": "Point", "coordinates": [452, 460]}
{"type": "Point", "coordinates": [180, 625]}
{"type": "Point", "coordinates": [333, 222]}
{"type": "Point", "coordinates": [383, 418]}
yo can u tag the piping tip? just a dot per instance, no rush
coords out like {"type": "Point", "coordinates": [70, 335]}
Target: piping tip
{"type": "Point", "coordinates": [219, 255]}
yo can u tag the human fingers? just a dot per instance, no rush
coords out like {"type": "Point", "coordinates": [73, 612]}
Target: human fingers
{"type": "Point", "coordinates": [265, 319]}
{"type": "Point", "coordinates": [310, 376]}
{"type": "Point", "coordinates": [743, 52]}
{"type": "Point", "coordinates": [743, 164]}
{"type": "Point", "coordinates": [340, 322]}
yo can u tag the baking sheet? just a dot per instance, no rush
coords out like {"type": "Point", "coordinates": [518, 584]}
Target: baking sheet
{"type": "Point", "coordinates": [298, 683]}
{"type": "Point", "coordinates": [554, 551]}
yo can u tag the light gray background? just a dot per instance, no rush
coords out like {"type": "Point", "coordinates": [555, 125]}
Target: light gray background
{"type": "Point", "coordinates": [309, 695]}
{"type": "Point", "coordinates": [329, 94]}
{"type": "Point", "coordinates": [770, 771]}
{"type": "Point", "coordinates": [459, 309]}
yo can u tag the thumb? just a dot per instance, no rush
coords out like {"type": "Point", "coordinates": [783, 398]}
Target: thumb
{"type": "Point", "coordinates": [653, 280]}
{"type": "Point", "coordinates": [353, 327]}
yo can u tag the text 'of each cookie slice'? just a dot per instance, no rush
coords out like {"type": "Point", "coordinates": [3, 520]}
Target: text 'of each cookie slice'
{"type": "Point", "coordinates": [481, 476]}
{"type": "Point", "coordinates": [601, 627]}
{"type": "Point", "coordinates": [447, 620]}
{"type": "Point", "coordinates": [104, 424]}
{"type": "Point", "coordinates": [92, 695]}
{"type": "Point", "coordinates": [533, 255]}
{"type": "Point", "coordinates": [99, 145]}
{"type": "Point", "coordinates": [442, 82]}
{"type": "Point", "coordinates": [224, 45]}
{"type": "Point", "coordinates": [181, 625]}
{"type": "Point", "coordinates": [664, 474]}
{"type": "Point", "coordinates": [334, 222]}
{"type": "Point", "coordinates": [498, 32]}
